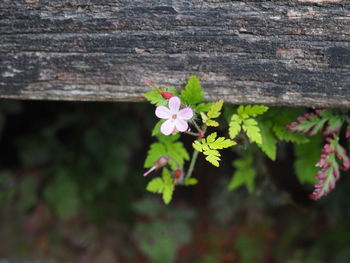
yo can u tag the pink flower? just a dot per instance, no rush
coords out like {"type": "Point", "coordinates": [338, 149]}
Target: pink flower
{"type": "Point", "coordinates": [176, 119]}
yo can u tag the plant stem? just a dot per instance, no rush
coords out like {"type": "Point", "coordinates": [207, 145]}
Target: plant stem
{"type": "Point", "coordinates": [193, 162]}
{"type": "Point", "coordinates": [196, 125]}
{"type": "Point", "coordinates": [192, 133]}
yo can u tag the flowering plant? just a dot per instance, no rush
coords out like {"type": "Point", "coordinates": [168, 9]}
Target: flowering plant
{"type": "Point", "coordinates": [333, 155]}
{"type": "Point", "coordinates": [184, 112]}
{"type": "Point", "coordinates": [179, 113]}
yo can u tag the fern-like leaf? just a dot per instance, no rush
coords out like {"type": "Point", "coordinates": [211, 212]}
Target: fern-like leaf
{"type": "Point", "coordinates": [213, 156]}
{"type": "Point", "coordinates": [234, 126]}
{"type": "Point", "coordinates": [215, 110]}
{"type": "Point", "coordinates": [250, 126]}
{"type": "Point", "coordinates": [210, 146]}
{"type": "Point", "coordinates": [329, 173]}
{"type": "Point", "coordinates": [155, 98]}
{"type": "Point", "coordinates": [268, 146]}
{"type": "Point", "coordinates": [244, 174]}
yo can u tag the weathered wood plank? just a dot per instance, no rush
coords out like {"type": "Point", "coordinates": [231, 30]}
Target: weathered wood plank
{"type": "Point", "coordinates": [278, 52]}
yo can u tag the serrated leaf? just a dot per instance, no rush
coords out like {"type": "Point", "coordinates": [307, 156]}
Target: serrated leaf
{"type": "Point", "coordinates": [252, 130]}
{"type": "Point", "coordinates": [213, 156]}
{"type": "Point", "coordinates": [177, 153]}
{"type": "Point", "coordinates": [204, 117]}
{"type": "Point", "coordinates": [168, 193]}
{"type": "Point", "coordinates": [215, 110]}
{"type": "Point", "coordinates": [197, 146]}
{"type": "Point", "coordinates": [285, 135]}
{"type": "Point", "coordinates": [254, 110]}
{"type": "Point", "coordinates": [203, 107]}
{"type": "Point", "coordinates": [212, 123]}
{"type": "Point", "coordinates": [269, 141]}
{"type": "Point", "coordinates": [156, 151]}
{"type": "Point", "coordinates": [210, 145]}
{"type": "Point", "coordinates": [166, 175]}
{"type": "Point", "coordinates": [333, 126]}
{"type": "Point", "coordinates": [156, 185]}
{"type": "Point", "coordinates": [192, 93]}
{"type": "Point", "coordinates": [168, 138]}
{"type": "Point", "coordinates": [234, 126]}
{"type": "Point", "coordinates": [221, 143]}
{"type": "Point", "coordinates": [155, 98]}
{"type": "Point", "coordinates": [168, 186]}
{"type": "Point", "coordinates": [191, 181]}
{"type": "Point", "coordinates": [211, 138]}
{"type": "Point", "coordinates": [280, 117]}
{"type": "Point", "coordinates": [241, 112]}
{"type": "Point", "coordinates": [310, 124]}
{"type": "Point", "coordinates": [244, 174]}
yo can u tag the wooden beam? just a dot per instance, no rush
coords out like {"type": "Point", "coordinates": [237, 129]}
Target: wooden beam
{"type": "Point", "coordinates": [293, 53]}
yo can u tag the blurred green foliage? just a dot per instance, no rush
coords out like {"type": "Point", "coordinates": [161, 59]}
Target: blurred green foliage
{"type": "Point", "coordinates": [71, 189]}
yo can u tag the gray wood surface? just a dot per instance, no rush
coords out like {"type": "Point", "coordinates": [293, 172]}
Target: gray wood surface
{"type": "Point", "coordinates": [289, 52]}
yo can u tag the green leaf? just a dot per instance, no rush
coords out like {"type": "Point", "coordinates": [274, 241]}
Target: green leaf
{"type": "Point", "coordinates": [234, 126]}
{"type": "Point", "coordinates": [254, 110]}
{"type": "Point", "coordinates": [212, 123]}
{"type": "Point", "coordinates": [221, 143]}
{"type": "Point", "coordinates": [168, 186]}
{"type": "Point", "coordinates": [204, 117]}
{"type": "Point", "coordinates": [168, 138]}
{"type": "Point", "coordinates": [250, 126]}
{"type": "Point", "coordinates": [280, 117]}
{"type": "Point", "coordinates": [210, 145]}
{"type": "Point", "coordinates": [197, 146]}
{"type": "Point", "coordinates": [177, 153]}
{"type": "Point", "coordinates": [156, 151]}
{"type": "Point", "coordinates": [156, 130]}
{"type": "Point", "coordinates": [244, 174]}
{"type": "Point", "coordinates": [163, 185]}
{"type": "Point", "coordinates": [285, 135]}
{"type": "Point", "coordinates": [154, 97]}
{"type": "Point", "coordinates": [306, 155]}
{"type": "Point", "coordinates": [191, 181]}
{"type": "Point", "coordinates": [269, 141]}
{"type": "Point", "coordinates": [168, 193]}
{"type": "Point", "coordinates": [213, 156]}
{"type": "Point", "coordinates": [215, 110]}
{"type": "Point", "coordinates": [156, 185]}
{"type": "Point", "coordinates": [166, 175]}
{"type": "Point", "coordinates": [167, 146]}
{"type": "Point", "coordinates": [211, 137]}
{"type": "Point", "coordinates": [193, 92]}
{"type": "Point", "coordinates": [203, 107]}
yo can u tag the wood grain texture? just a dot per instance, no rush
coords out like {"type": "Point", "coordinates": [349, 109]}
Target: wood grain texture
{"type": "Point", "coordinates": [275, 52]}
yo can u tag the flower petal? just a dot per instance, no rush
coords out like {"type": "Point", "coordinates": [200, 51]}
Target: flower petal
{"type": "Point", "coordinates": [167, 127]}
{"type": "Point", "coordinates": [181, 125]}
{"type": "Point", "coordinates": [163, 112]}
{"type": "Point", "coordinates": [185, 114]}
{"type": "Point", "coordinates": [174, 104]}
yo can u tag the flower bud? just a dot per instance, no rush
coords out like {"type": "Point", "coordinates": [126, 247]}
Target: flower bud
{"type": "Point", "coordinates": [161, 161]}
{"type": "Point", "coordinates": [177, 174]}
{"type": "Point", "coordinates": [167, 95]}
